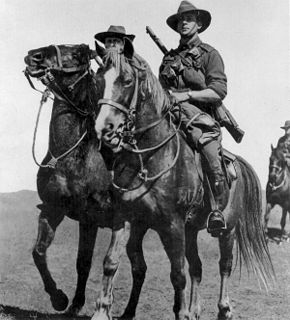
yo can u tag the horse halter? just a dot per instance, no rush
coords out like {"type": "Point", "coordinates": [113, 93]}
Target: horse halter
{"type": "Point", "coordinates": [130, 143]}
{"type": "Point", "coordinates": [129, 112]}
{"type": "Point", "coordinates": [49, 80]}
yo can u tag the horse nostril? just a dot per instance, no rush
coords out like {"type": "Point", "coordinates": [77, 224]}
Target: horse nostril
{"type": "Point", "coordinates": [108, 130]}
{"type": "Point", "coordinates": [110, 127]}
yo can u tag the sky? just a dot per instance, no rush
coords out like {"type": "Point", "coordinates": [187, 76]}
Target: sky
{"type": "Point", "coordinates": [252, 37]}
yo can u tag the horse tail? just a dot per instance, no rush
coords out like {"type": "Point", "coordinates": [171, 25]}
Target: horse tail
{"type": "Point", "coordinates": [252, 247]}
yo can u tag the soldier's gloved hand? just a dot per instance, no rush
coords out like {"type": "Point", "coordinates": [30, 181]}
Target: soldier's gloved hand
{"type": "Point", "coordinates": [179, 96]}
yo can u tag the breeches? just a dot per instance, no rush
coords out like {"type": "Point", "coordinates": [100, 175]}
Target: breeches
{"type": "Point", "coordinates": [200, 127]}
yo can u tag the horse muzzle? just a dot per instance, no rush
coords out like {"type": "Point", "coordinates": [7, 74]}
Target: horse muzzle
{"type": "Point", "coordinates": [35, 67]}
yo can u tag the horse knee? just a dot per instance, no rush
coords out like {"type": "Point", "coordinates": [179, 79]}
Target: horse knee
{"type": "Point", "coordinates": [178, 279]}
{"type": "Point", "coordinates": [110, 266]}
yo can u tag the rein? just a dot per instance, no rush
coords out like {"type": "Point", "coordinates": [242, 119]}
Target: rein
{"type": "Point", "coordinates": [49, 80]}
{"type": "Point", "coordinates": [53, 161]}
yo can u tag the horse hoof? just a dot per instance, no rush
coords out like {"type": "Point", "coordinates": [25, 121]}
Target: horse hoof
{"type": "Point", "coordinates": [59, 300]}
{"type": "Point", "coordinates": [225, 315]}
{"type": "Point", "coordinates": [74, 310]}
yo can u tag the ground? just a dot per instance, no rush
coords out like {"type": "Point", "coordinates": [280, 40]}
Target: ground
{"type": "Point", "coordinates": [22, 295]}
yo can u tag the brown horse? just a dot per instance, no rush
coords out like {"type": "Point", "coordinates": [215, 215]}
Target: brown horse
{"type": "Point", "coordinates": [72, 180]}
{"type": "Point", "coordinates": [278, 189]}
{"type": "Point", "coordinates": [159, 184]}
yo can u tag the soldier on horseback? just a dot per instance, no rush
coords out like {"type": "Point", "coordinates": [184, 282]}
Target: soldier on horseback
{"type": "Point", "coordinates": [194, 75]}
{"type": "Point", "coordinates": [284, 142]}
{"type": "Point", "coordinates": [115, 37]}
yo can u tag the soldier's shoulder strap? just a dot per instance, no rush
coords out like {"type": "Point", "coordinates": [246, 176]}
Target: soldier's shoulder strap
{"type": "Point", "coordinates": [204, 47]}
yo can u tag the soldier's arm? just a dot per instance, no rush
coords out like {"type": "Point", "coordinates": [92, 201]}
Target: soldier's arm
{"type": "Point", "coordinates": [215, 79]}
{"type": "Point", "coordinates": [205, 96]}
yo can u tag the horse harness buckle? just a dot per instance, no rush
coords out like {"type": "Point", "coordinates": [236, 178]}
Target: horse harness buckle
{"type": "Point", "coordinates": [128, 137]}
{"type": "Point", "coordinates": [47, 78]}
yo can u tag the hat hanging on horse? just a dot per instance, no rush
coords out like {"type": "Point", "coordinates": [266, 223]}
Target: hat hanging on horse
{"type": "Point", "coordinates": [185, 6]}
{"type": "Point", "coordinates": [114, 32]}
{"type": "Point", "coordinates": [286, 125]}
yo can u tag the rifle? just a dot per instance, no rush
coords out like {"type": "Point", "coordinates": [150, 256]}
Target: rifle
{"type": "Point", "coordinates": [153, 36]}
{"type": "Point", "coordinates": [223, 115]}
{"type": "Point", "coordinates": [225, 119]}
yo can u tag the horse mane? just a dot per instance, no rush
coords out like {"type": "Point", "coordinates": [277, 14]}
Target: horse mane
{"type": "Point", "coordinates": [150, 86]}
{"type": "Point", "coordinates": [278, 153]}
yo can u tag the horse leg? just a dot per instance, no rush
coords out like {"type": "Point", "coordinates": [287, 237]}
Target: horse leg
{"type": "Point", "coordinates": [195, 271]}
{"type": "Point", "coordinates": [87, 238]}
{"type": "Point", "coordinates": [110, 266]}
{"type": "Point", "coordinates": [138, 265]}
{"type": "Point", "coordinates": [226, 243]}
{"type": "Point", "coordinates": [282, 224]}
{"type": "Point", "coordinates": [269, 207]}
{"type": "Point", "coordinates": [173, 240]}
{"type": "Point", "coordinates": [47, 224]}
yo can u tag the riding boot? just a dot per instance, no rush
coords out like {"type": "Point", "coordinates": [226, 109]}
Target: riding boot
{"type": "Point", "coordinates": [216, 221]}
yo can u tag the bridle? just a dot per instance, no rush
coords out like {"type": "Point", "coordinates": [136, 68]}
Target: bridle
{"type": "Point", "coordinates": [128, 133]}
{"type": "Point", "coordinates": [53, 87]}
{"type": "Point", "coordinates": [281, 171]}
{"type": "Point", "coordinates": [51, 84]}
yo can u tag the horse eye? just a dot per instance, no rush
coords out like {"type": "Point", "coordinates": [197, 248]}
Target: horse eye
{"type": "Point", "coordinates": [128, 82]}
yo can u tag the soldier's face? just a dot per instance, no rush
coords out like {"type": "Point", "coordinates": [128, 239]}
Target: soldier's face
{"type": "Point", "coordinates": [287, 131]}
{"type": "Point", "coordinates": [117, 43]}
{"type": "Point", "coordinates": [188, 24]}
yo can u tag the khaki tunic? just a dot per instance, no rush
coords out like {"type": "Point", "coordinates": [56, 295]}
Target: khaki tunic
{"type": "Point", "coordinates": [196, 68]}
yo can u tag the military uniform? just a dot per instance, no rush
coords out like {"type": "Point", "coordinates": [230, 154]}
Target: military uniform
{"type": "Point", "coordinates": [195, 67]}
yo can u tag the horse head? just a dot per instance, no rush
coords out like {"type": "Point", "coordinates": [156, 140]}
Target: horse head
{"type": "Point", "coordinates": [127, 104]}
{"type": "Point", "coordinates": [63, 70]}
{"type": "Point", "coordinates": [277, 165]}
{"type": "Point", "coordinates": [57, 58]}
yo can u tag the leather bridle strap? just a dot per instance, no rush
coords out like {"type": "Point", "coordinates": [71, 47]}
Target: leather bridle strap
{"type": "Point", "coordinates": [128, 111]}
{"type": "Point", "coordinates": [113, 104]}
{"type": "Point", "coordinates": [273, 187]}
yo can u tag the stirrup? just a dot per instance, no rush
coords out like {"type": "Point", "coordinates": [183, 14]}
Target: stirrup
{"type": "Point", "coordinates": [215, 232]}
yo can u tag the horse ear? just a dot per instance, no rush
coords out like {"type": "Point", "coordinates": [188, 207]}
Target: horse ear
{"type": "Point", "coordinates": [96, 57]}
{"type": "Point", "coordinates": [128, 48]}
{"type": "Point", "coordinates": [101, 51]}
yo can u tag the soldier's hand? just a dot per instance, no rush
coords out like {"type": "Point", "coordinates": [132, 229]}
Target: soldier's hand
{"type": "Point", "coordinates": [179, 96]}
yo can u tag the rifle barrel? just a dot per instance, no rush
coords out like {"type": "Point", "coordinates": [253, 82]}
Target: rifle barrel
{"type": "Point", "coordinates": [158, 42]}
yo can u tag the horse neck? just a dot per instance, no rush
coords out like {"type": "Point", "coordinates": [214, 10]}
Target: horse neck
{"type": "Point", "coordinates": [67, 124]}
{"type": "Point", "coordinates": [66, 127]}
{"type": "Point", "coordinates": [150, 109]}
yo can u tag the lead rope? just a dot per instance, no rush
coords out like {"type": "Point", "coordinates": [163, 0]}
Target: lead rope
{"type": "Point", "coordinates": [53, 161]}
